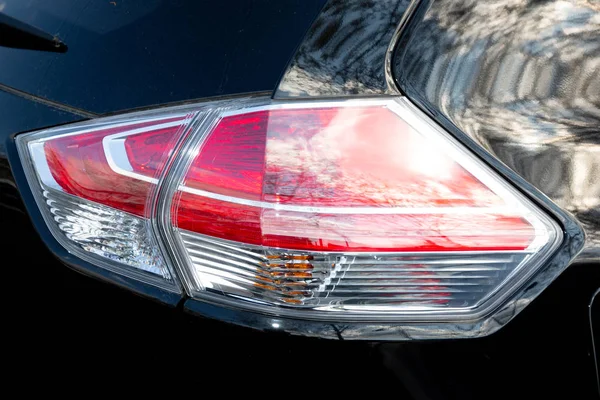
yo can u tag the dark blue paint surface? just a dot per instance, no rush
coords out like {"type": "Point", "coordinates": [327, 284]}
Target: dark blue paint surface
{"type": "Point", "coordinates": [126, 54]}
{"type": "Point", "coordinates": [19, 115]}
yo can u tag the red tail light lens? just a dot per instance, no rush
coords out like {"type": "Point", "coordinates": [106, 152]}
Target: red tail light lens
{"type": "Point", "coordinates": [324, 210]}
{"type": "Point", "coordinates": [341, 179]}
{"type": "Point", "coordinates": [113, 166]}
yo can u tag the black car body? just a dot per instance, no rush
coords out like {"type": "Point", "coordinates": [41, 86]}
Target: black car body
{"type": "Point", "coordinates": [517, 79]}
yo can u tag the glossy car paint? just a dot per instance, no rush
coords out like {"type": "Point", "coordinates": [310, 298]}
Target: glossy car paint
{"type": "Point", "coordinates": [137, 53]}
{"type": "Point", "coordinates": [345, 51]}
{"type": "Point", "coordinates": [57, 314]}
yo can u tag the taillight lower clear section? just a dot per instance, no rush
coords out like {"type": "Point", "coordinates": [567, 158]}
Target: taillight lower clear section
{"type": "Point", "coordinates": [348, 281]}
{"type": "Point", "coordinates": [330, 210]}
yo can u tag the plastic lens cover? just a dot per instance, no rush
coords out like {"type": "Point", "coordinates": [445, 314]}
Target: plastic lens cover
{"type": "Point", "coordinates": [321, 210]}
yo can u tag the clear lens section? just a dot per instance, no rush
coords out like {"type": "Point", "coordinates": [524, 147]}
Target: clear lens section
{"type": "Point", "coordinates": [359, 207]}
{"type": "Point", "coordinates": [106, 232]}
{"type": "Point", "coordinates": [94, 182]}
{"type": "Point", "coordinates": [338, 281]}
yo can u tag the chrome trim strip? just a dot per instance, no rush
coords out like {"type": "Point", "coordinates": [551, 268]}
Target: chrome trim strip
{"type": "Point", "coordinates": [116, 154]}
{"type": "Point", "coordinates": [348, 210]}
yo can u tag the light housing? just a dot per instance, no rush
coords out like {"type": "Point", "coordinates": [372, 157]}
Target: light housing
{"type": "Point", "coordinates": [332, 211]}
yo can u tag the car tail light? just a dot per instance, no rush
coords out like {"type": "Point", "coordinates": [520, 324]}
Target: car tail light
{"type": "Point", "coordinates": [330, 211]}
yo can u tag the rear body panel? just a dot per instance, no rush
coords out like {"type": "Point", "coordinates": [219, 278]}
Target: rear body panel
{"type": "Point", "coordinates": [155, 52]}
{"type": "Point", "coordinates": [131, 54]}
